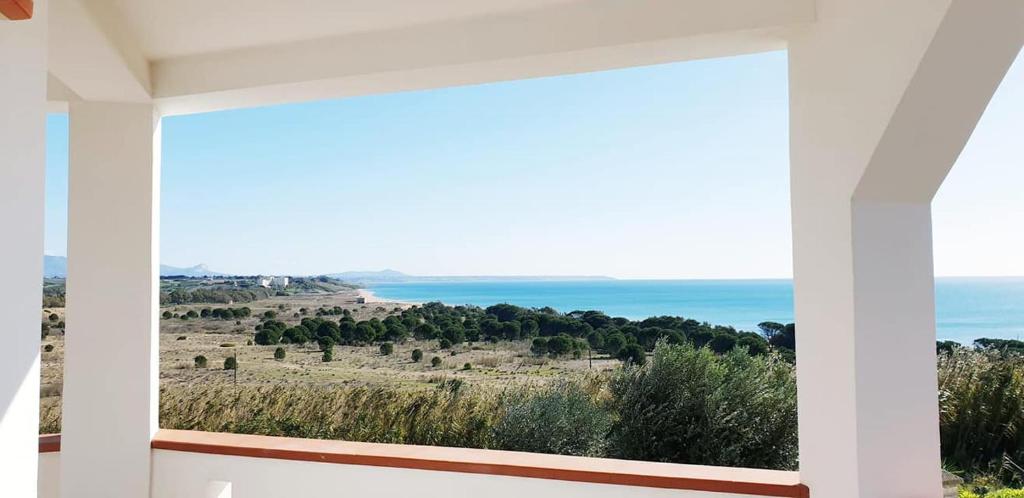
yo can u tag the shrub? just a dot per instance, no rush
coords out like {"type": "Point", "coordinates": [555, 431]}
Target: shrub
{"type": "Point", "coordinates": [167, 315]}
{"type": "Point", "coordinates": [444, 343]}
{"type": "Point", "coordinates": [48, 348]}
{"type": "Point", "coordinates": [230, 363]}
{"type": "Point", "coordinates": [54, 317]}
{"type": "Point", "coordinates": [692, 406]}
{"type": "Point", "coordinates": [981, 399]}
{"type": "Point", "coordinates": [565, 419]}
{"type": "Point", "coordinates": [200, 361]}
{"type": "Point", "coordinates": [467, 366]}
{"type": "Point", "coordinates": [417, 355]}
{"type": "Point", "coordinates": [279, 353]}
{"type": "Point", "coordinates": [633, 354]}
{"type": "Point", "coordinates": [435, 361]}
{"type": "Point", "coordinates": [387, 348]}
{"type": "Point", "coordinates": [181, 338]}
{"type": "Point", "coordinates": [192, 314]}
{"type": "Point", "coordinates": [328, 355]}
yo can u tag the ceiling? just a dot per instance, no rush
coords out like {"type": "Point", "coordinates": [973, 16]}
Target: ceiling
{"type": "Point", "coordinates": [174, 28]}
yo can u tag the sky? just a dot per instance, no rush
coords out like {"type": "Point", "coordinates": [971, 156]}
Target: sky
{"type": "Point", "coordinates": [668, 171]}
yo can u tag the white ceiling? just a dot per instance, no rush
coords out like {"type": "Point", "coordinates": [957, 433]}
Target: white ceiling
{"type": "Point", "coordinates": [173, 28]}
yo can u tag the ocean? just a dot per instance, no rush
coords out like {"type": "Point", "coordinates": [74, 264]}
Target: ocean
{"type": "Point", "coordinates": [966, 308]}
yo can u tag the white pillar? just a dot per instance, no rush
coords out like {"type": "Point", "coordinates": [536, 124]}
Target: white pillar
{"type": "Point", "coordinates": [883, 96]}
{"type": "Point", "coordinates": [110, 361]}
{"type": "Point", "coordinates": [22, 169]}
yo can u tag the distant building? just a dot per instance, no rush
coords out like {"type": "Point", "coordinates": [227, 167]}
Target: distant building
{"type": "Point", "coordinates": [268, 282]}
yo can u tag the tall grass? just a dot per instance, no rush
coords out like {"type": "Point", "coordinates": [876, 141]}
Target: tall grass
{"type": "Point", "coordinates": [692, 406]}
{"type": "Point", "coordinates": [981, 399]}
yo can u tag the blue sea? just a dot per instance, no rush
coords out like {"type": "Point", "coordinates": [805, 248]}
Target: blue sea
{"type": "Point", "coordinates": [966, 308]}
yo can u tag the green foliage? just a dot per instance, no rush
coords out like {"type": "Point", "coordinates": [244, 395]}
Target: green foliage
{"type": "Point", "coordinates": [565, 419]}
{"type": "Point", "coordinates": [690, 405]}
{"type": "Point", "coordinates": [328, 355]}
{"type": "Point", "coordinates": [386, 348]}
{"type": "Point", "coordinates": [49, 348]}
{"type": "Point", "coordinates": [444, 343]}
{"type": "Point", "coordinates": [435, 361]}
{"type": "Point", "coordinates": [54, 317]}
{"type": "Point", "coordinates": [417, 355]}
{"type": "Point", "coordinates": [467, 366]}
{"type": "Point", "coordinates": [166, 315]}
{"type": "Point", "coordinates": [200, 361]}
{"type": "Point", "coordinates": [230, 363]}
{"type": "Point", "coordinates": [981, 398]}
{"type": "Point", "coordinates": [192, 314]}
{"type": "Point", "coordinates": [279, 353]}
{"type": "Point", "coordinates": [632, 354]}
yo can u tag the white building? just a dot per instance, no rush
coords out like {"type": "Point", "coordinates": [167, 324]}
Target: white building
{"type": "Point", "coordinates": [883, 96]}
{"type": "Point", "coordinates": [268, 282]}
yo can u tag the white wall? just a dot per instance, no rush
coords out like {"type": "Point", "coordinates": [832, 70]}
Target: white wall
{"type": "Point", "coordinates": [187, 475]}
{"type": "Point", "coordinates": [22, 139]}
{"type": "Point", "coordinates": [49, 475]}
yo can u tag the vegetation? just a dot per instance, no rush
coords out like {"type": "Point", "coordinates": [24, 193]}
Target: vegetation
{"type": "Point", "coordinates": [230, 363]}
{"type": "Point", "coordinates": [200, 361]}
{"type": "Point", "coordinates": [279, 353]}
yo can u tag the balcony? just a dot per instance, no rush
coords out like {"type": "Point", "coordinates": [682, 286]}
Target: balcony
{"type": "Point", "coordinates": [883, 96]}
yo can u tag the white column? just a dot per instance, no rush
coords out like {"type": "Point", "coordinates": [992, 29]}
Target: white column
{"type": "Point", "coordinates": [22, 168]}
{"type": "Point", "coordinates": [110, 362]}
{"type": "Point", "coordinates": [883, 96]}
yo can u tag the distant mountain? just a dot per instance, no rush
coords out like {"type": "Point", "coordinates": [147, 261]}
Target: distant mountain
{"type": "Point", "coordinates": [392, 276]}
{"type": "Point", "coordinates": [57, 267]}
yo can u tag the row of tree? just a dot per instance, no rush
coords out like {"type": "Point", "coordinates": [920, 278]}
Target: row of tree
{"type": "Point", "coordinates": [551, 332]}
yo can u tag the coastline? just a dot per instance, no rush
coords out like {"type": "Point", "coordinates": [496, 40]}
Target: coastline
{"type": "Point", "coordinates": [370, 298]}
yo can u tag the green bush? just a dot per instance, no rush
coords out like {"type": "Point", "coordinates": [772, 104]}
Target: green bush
{"type": "Point", "coordinates": [54, 317]}
{"type": "Point", "coordinates": [200, 361]}
{"type": "Point", "coordinates": [167, 315]}
{"type": "Point", "coordinates": [467, 366]}
{"type": "Point", "coordinates": [435, 362]}
{"type": "Point", "coordinates": [230, 363]}
{"type": "Point", "coordinates": [981, 412]}
{"type": "Point", "coordinates": [417, 355]}
{"type": "Point", "coordinates": [444, 343]}
{"type": "Point", "coordinates": [181, 338]}
{"type": "Point", "coordinates": [1006, 493]}
{"type": "Point", "coordinates": [633, 354]}
{"type": "Point", "coordinates": [387, 348]}
{"type": "Point", "coordinates": [279, 353]}
{"type": "Point", "coordinates": [48, 348]}
{"type": "Point", "coordinates": [692, 406]}
{"type": "Point", "coordinates": [328, 355]}
{"type": "Point", "coordinates": [565, 419]}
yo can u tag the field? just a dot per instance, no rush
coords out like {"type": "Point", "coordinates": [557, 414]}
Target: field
{"type": "Point", "coordinates": [491, 365]}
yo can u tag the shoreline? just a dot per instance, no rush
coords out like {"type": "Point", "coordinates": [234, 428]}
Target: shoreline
{"type": "Point", "coordinates": [370, 298]}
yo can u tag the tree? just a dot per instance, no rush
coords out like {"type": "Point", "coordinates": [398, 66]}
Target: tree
{"type": "Point", "coordinates": [191, 314]}
{"type": "Point", "coordinates": [200, 361]}
{"type": "Point", "coordinates": [365, 332]}
{"type": "Point", "coordinates": [435, 361]}
{"type": "Point", "coordinates": [279, 353]}
{"type": "Point", "coordinates": [770, 329]}
{"type": "Point", "coordinates": [425, 331]}
{"type": "Point", "coordinates": [326, 343]}
{"type": "Point", "coordinates": [270, 314]}
{"type": "Point", "coordinates": [230, 363]}
{"type": "Point", "coordinates": [722, 343]}
{"type": "Point", "coordinates": [417, 355]}
{"type": "Point", "coordinates": [633, 354]}
{"type": "Point", "coordinates": [614, 343]}
{"type": "Point", "coordinates": [387, 348]}
{"type": "Point", "coordinates": [559, 345]}
{"type": "Point", "coordinates": [328, 356]}
{"type": "Point", "coordinates": [444, 343]}
{"type": "Point", "coordinates": [539, 346]}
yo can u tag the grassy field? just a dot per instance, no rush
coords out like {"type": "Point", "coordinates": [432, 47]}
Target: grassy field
{"type": "Point", "coordinates": [492, 366]}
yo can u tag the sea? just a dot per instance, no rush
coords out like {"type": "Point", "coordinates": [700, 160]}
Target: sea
{"type": "Point", "coordinates": [967, 308]}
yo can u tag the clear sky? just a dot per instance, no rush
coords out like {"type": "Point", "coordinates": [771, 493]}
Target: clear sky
{"type": "Point", "coordinates": [670, 171]}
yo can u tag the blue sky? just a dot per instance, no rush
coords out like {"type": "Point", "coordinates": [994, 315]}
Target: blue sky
{"type": "Point", "coordinates": [670, 171]}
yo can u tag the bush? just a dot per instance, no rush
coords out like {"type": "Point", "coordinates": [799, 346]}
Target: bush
{"type": "Point", "coordinates": [435, 361]}
{"type": "Point", "coordinates": [981, 400]}
{"type": "Point", "coordinates": [692, 406]}
{"type": "Point", "coordinates": [328, 356]}
{"type": "Point", "coordinates": [230, 363]}
{"type": "Point", "coordinates": [417, 355]}
{"type": "Point", "coordinates": [167, 315]}
{"type": "Point", "coordinates": [279, 353]}
{"type": "Point", "coordinates": [48, 348]}
{"type": "Point", "coordinates": [444, 343]}
{"type": "Point", "coordinates": [387, 348]}
{"type": "Point", "coordinates": [633, 354]}
{"type": "Point", "coordinates": [565, 419]}
{"type": "Point", "coordinates": [54, 317]}
{"type": "Point", "coordinates": [181, 338]}
{"type": "Point", "coordinates": [467, 366]}
{"type": "Point", "coordinates": [200, 361]}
